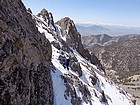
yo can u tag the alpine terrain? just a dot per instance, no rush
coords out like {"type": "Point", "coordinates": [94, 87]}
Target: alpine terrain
{"type": "Point", "coordinates": [31, 72]}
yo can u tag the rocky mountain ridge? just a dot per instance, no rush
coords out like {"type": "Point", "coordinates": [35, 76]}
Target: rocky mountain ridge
{"type": "Point", "coordinates": [81, 83]}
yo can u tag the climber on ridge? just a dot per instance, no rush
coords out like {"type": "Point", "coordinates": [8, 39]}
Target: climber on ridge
{"type": "Point", "coordinates": [65, 62]}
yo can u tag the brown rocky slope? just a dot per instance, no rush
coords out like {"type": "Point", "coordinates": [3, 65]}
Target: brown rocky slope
{"type": "Point", "coordinates": [120, 54]}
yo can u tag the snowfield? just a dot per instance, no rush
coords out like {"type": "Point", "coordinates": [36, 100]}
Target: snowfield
{"type": "Point", "coordinates": [115, 95]}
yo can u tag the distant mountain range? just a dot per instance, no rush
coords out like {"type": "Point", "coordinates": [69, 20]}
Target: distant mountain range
{"type": "Point", "coordinates": [88, 29]}
{"type": "Point", "coordinates": [120, 54]}
{"type": "Point", "coordinates": [96, 39]}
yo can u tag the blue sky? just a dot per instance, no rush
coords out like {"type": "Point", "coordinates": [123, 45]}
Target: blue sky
{"type": "Point", "coordinates": [116, 12]}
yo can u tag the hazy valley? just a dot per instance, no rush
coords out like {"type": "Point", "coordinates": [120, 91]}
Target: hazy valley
{"type": "Point", "coordinates": [112, 30]}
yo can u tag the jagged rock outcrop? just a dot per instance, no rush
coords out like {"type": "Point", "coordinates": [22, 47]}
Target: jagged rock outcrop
{"type": "Point", "coordinates": [70, 81]}
{"type": "Point", "coordinates": [25, 58]}
{"type": "Point", "coordinates": [29, 10]}
{"type": "Point", "coordinates": [48, 18]}
{"type": "Point", "coordinates": [73, 39]}
{"type": "Point", "coordinates": [76, 67]}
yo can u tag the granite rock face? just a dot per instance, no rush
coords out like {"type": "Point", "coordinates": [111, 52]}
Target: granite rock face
{"type": "Point", "coordinates": [25, 58]}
